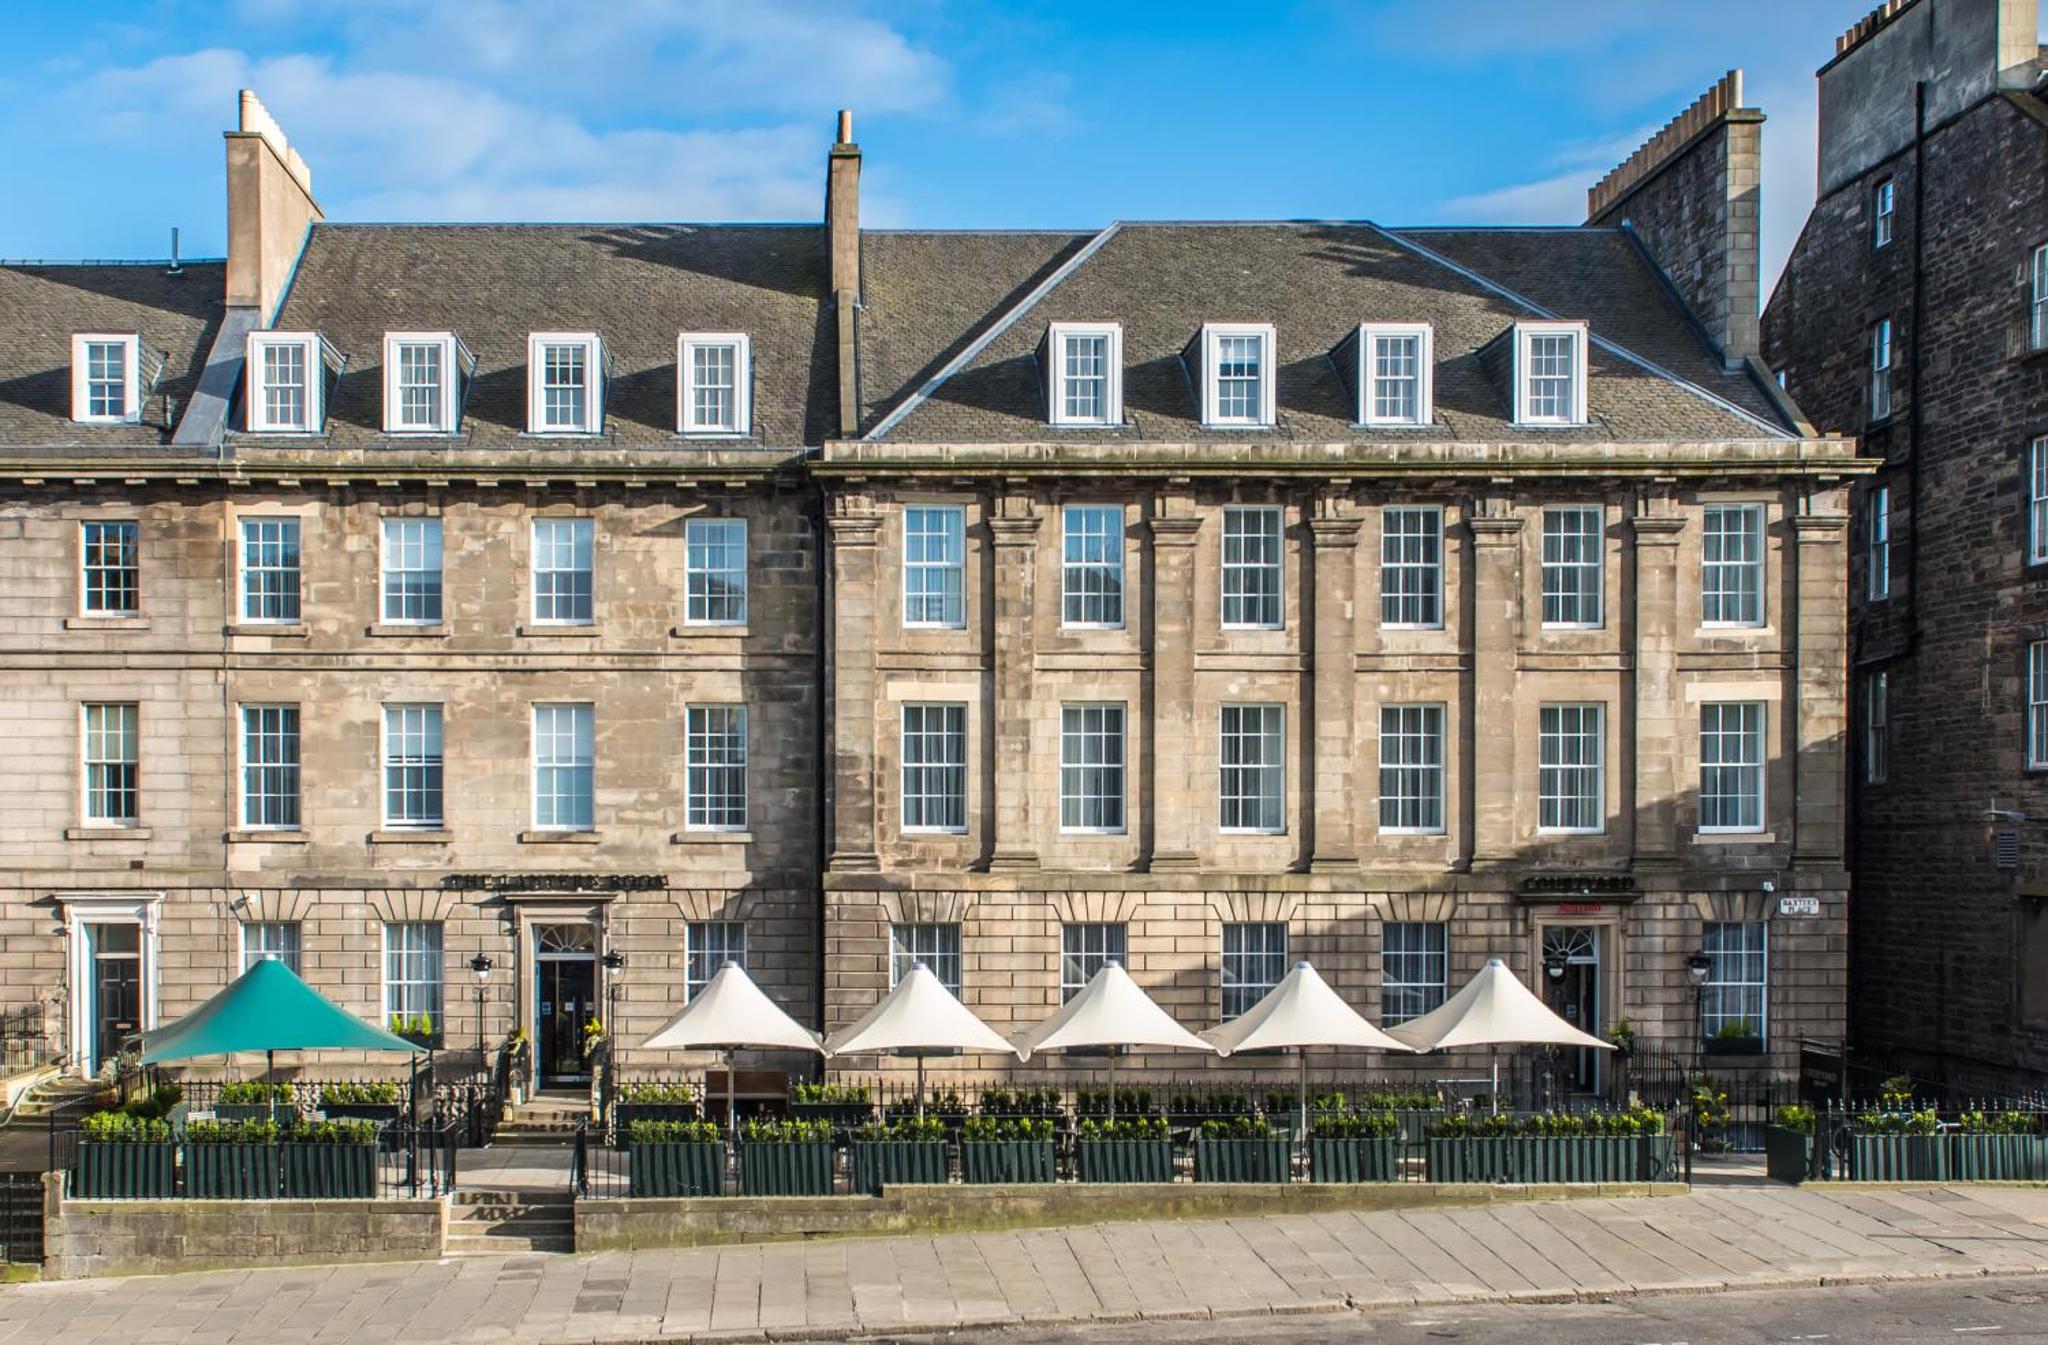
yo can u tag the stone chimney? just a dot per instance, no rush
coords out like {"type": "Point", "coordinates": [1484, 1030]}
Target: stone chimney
{"type": "Point", "coordinates": [1690, 194]}
{"type": "Point", "coordinates": [270, 207]}
{"type": "Point", "coordinates": [842, 226]}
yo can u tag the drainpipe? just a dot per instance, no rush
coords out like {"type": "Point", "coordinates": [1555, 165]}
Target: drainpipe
{"type": "Point", "coordinates": [821, 740]}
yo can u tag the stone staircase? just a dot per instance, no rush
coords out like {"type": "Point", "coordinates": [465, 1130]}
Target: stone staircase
{"type": "Point", "coordinates": [509, 1222]}
{"type": "Point", "coordinates": [65, 1092]}
{"type": "Point", "coordinates": [545, 1120]}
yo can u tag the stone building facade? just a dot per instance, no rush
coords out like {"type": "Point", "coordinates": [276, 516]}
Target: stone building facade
{"type": "Point", "coordinates": [1914, 314]}
{"type": "Point", "coordinates": [1205, 597]}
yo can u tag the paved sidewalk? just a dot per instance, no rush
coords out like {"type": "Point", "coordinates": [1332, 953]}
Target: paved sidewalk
{"type": "Point", "coordinates": [1728, 1237]}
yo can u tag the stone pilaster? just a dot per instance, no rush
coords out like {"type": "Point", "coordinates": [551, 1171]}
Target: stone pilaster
{"type": "Point", "coordinates": [1496, 644]}
{"type": "Point", "coordinates": [855, 624]}
{"type": "Point", "coordinates": [1329, 779]}
{"type": "Point", "coordinates": [1821, 641]}
{"type": "Point", "coordinates": [1014, 529]}
{"type": "Point", "coordinates": [1658, 716]}
{"type": "Point", "coordinates": [1173, 678]}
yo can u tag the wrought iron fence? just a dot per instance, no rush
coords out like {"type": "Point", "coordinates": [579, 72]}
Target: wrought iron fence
{"type": "Point", "coordinates": [25, 1042]}
{"type": "Point", "coordinates": [21, 1217]}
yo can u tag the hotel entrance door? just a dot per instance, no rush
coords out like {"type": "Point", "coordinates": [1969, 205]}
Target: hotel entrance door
{"type": "Point", "coordinates": [565, 1000]}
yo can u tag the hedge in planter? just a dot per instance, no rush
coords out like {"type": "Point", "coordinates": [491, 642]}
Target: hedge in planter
{"type": "Point", "coordinates": [1124, 1150]}
{"type": "Point", "coordinates": [906, 1152]}
{"type": "Point", "coordinates": [231, 1160]}
{"type": "Point", "coordinates": [1365, 1147]}
{"type": "Point", "coordinates": [375, 1101]}
{"type": "Point", "coordinates": [840, 1104]}
{"type": "Point", "coordinates": [1006, 1102]}
{"type": "Point", "coordinates": [1551, 1147]}
{"type": "Point", "coordinates": [330, 1160]}
{"type": "Point", "coordinates": [786, 1158]}
{"type": "Point", "coordinates": [1129, 1102]}
{"type": "Point", "coordinates": [675, 1158]}
{"type": "Point", "coordinates": [125, 1157]}
{"type": "Point", "coordinates": [1999, 1147]}
{"type": "Point", "coordinates": [1246, 1149]}
{"type": "Point", "coordinates": [248, 1100]}
{"type": "Point", "coordinates": [1788, 1145]}
{"type": "Point", "coordinates": [1007, 1150]}
{"type": "Point", "coordinates": [1190, 1109]}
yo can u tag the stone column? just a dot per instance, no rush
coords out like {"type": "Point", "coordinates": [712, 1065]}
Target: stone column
{"type": "Point", "coordinates": [1820, 636]}
{"type": "Point", "coordinates": [1329, 779]}
{"type": "Point", "coordinates": [1495, 768]}
{"type": "Point", "coordinates": [850, 660]}
{"type": "Point", "coordinates": [1658, 713]}
{"type": "Point", "coordinates": [1174, 527]}
{"type": "Point", "coordinates": [1014, 528]}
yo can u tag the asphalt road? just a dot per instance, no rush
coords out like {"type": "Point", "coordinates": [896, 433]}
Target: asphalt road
{"type": "Point", "coordinates": [1952, 1311]}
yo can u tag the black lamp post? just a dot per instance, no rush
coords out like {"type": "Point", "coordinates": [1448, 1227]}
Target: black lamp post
{"type": "Point", "coordinates": [614, 963]}
{"type": "Point", "coordinates": [480, 965]}
{"type": "Point", "coordinates": [1697, 966]}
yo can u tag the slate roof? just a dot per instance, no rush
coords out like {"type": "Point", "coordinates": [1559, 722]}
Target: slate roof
{"type": "Point", "coordinates": [43, 304]}
{"type": "Point", "coordinates": [635, 285]}
{"type": "Point", "coordinates": [1315, 282]}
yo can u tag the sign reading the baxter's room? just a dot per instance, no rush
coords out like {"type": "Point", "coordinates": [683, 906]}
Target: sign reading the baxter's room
{"type": "Point", "coordinates": [554, 882]}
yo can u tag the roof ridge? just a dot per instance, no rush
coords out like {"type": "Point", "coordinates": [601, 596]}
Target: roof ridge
{"type": "Point", "coordinates": [972, 351]}
{"type": "Point", "coordinates": [1607, 344]}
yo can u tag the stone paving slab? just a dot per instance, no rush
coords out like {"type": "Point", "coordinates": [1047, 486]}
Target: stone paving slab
{"type": "Point", "coordinates": [1720, 1237]}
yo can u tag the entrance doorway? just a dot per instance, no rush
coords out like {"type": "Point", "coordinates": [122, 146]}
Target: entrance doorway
{"type": "Point", "coordinates": [1576, 997]}
{"type": "Point", "coordinates": [115, 1006]}
{"type": "Point", "coordinates": [565, 1000]}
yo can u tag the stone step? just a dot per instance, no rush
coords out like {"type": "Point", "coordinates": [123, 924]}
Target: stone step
{"type": "Point", "coordinates": [506, 1244]}
{"type": "Point", "coordinates": [514, 1195]}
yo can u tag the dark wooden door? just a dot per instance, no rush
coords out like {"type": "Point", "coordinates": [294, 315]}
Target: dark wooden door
{"type": "Point", "coordinates": [567, 1002]}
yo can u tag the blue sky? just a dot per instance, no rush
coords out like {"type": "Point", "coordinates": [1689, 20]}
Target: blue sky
{"type": "Point", "coordinates": [972, 114]}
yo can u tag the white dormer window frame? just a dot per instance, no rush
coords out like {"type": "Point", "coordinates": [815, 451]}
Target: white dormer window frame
{"type": "Point", "coordinates": [1371, 374]}
{"type": "Point", "coordinates": [446, 402]}
{"type": "Point", "coordinates": [1216, 337]}
{"type": "Point", "coordinates": [271, 397]}
{"type": "Point", "coordinates": [1063, 376]}
{"type": "Point", "coordinates": [86, 378]}
{"type": "Point", "coordinates": [1527, 335]}
{"type": "Point", "coordinates": [538, 383]}
{"type": "Point", "coordinates": [689, 418]}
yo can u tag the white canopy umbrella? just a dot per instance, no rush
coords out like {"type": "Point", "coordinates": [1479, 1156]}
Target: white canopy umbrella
{"type": "Point", "coordinates": [1300, 1012]}
{"type": "Point", "coordinates": [1110, 1012]}
{"type": "Point", "coordinates": [1494, 1009]}
{"type": "Point", "coordinates": [920, 1017]}
{"type": "Point", "coordinates": [726, 1015]}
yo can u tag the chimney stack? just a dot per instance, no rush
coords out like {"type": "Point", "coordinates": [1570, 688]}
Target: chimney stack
{"type": "Point", "coordinates": [842, 227]}
{"type": "Point", "coordinates": [270, 208]}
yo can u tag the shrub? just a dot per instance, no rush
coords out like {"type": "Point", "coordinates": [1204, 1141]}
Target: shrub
{"type": "Point", "coordinates": [1796, 1116]}
{"type": "Point", "coordinates": [415, 1025]}
{"type": "Point", "coordinates": [1124, 1128]}
{"type": "Point", "coordinates": [1710, 1107]}
{"type": "Point", "coordinates": [1135, 1101]}
{"type": "Point", "coordinates": [1336, 1125]}
{"type": "Point", "coordinates": [1208, 1102]}
{"type": "Point", "coordinates": [987, 1129]}
{"type": "Point", "coordinates": [1390, 1100]}
{"type": "Point", "coordinates": [350, 1130]}
{"type": "Point", "coordinates": [2000, 1123]}
{"type": "Point", "coordinates": [251, 1093]}
{"type": "Point", "coordinates": [231, 1132]}
{"type": "Point", "coordinates": [831, 1094]}
{"type": "Point", "coordinates": [158, 1103]}
{"type": "Point", "coordinates": [913, 1128]}
{"type": "Point", "coordinates": [119, 1127]}
{"type": "Point", "coordinates": [382, 1093]}
{"type": "Point", "coordinates": [1736, 1029]}
{"type": "Point", "coordinates": [1236, 1128]}
{"type": "Point", "coordinates": [658, 1094]}
{"type": "Point", "coordinates": [1020, 1102]}
{"type": "Point", "coordinates": [1904, 1121]}
{"type": "Point", "coordinates": [773, 1130]}
{"type": "Point", "coordinates": [950, 1105]}
{"type": "Point", "coordinates": [1636, 1120]}
{"type": "Point", "coordinates": [673, 1132]}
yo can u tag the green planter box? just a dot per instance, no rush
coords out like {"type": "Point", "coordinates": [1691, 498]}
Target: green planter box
{"type": "Point", "coordinates": [879, 1163]}
{"type": "Point", "coordinates": [1732, 1046]}
{"type": "Point", "coordinates": [1355, 1160]}
{"type": "Point", "coordinates": [696, 1168]}
{"type": "Point", "coordinates": [328, 1171]}
{"type": "Point", "coordinates": [1575, 1158]}
{"type": "Point", "coordinates": [1788, 1155]}
{"type": "Point", "coordinates": [286, 1113]}
{"type": "Point", "coordinates": [1006, 1162]}
{"type": "Point", "coordinates": [1244, 1160]}
{"type": "Point", "coordinates": [1898, 1158]}
{"type": "Point", "coordinates": [231, 1171]}
{"type": "Point", "coordinates": [771, 1168]}
{"type": "Point", "coordinates": [1997, 1158]}
{"type": "Point", "coordinates": [378, 1113]}
{"type": "Point", "coordinates": [125, 1172]}
{"type": "Point", "coordinates": [1125, 1160]}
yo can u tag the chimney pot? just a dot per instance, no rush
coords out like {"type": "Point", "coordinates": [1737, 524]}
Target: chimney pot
{"type": "Point", "coordinates": [845, 126]}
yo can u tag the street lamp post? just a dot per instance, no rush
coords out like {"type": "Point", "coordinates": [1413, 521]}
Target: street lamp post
{"type": "Point", "coordinates": [1697, 966]}
{"type": "Point", "coordinates": [1553, 972]}
{"type": "Point", "coordinates": [480, 965]}
{"type": "Point", "coordinates": [614, 964]}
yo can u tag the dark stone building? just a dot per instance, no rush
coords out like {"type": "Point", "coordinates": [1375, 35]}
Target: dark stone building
{"type": "Point", "coordinates": [1914, 313]}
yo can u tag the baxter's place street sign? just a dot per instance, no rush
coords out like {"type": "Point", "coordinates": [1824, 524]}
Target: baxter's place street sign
{"type": "Point", "coordinates": [554, 882]}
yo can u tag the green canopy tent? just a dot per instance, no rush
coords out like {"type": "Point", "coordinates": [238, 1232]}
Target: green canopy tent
{"type": "Point", "coordinates": [269, 1009]}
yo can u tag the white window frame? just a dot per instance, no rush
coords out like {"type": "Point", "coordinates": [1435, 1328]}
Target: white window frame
{"type": "Point", "coordinates": [2037, 307]}
{"type": "Point", "coordinates": [129, 569]}
{"type": "Point", "coordinates": [1877, 727]}
{"type": "Point", "coordinates": [2037, 501]}
{"type": "Point", "coordinates": [1748, 734]}
{"type": "Point", "coordinates": [1755, 528]}
{"type": "Point", "coordinates": [1249, 990]}
{"type": "Point", "coordinates": [533, 569]}
{"type": "Point", "coordinates": [1878, 550]}
{"type": "Point", "coordinates": [1712, 1020]}
{"type": "Point", "coordinates": [1270, 777]}
{"type": "Point", "coordinates": [430, 765]}
{"type": "Point", "coordinates": [537, 344]}
{"type": "Point", "coordinates": [93, 755]}
{"type": "Point", "coordinates": [1236, 571]}
{"type": "Point", "coordinates": [438, 995]}
{"type": "Point", "coordinates": [907, 947]}
{"type": "Point", "coordinates": [1112, 336]}
{"type": "Point", "coordinates": [1411, 750]}
{"type": "Point", "coordinates": [1086, 947]}
{"type": "Point", "coordinates": [256, 388]}
{"type": "Point", "coordinates": [742, 347]}
{"type": "Point", "coordinates": [938, 785]}
{"type": "Point", "coordinates": [292, 953]}
{"type": "Point", "coordinates": [1545, 766]}
{"type": "Point", "coordinates": [394, 398]}
{"type": "Point", "coordinates": [1559, 565]}
{"type": "Point", "coordinates": [1213, 336]}
{"type": "Point", "coordinates": [297, 595]}
{"type": "Point", "coordinates": [1882, 359]}
{"type": "Point", "coordinates": [1368, 381]}
{"type": "Point", "coordinates": [947, 597]}
{"type": "Point", "coordinates": [698, 599]}
{"type": "Point", "coordinates": [1884, 199]}
{"type": "Point", "coordinates": [131, 378]}
{"type": "Point", "coordinates": [1074, 573]}
{"type": "Point", "coordinates": [535, 764]}
{"type": "Point", "coordinates": [699, 948]}
{"type": "Point", "coordinates": [1073, 768]}
{"type": "Point", "coordinates": [710, 733]}
{"type": "Point", "coordinates": [1434, 957]}
{"type": "Point", "coordinates": [389, 550]}
{"type": "Point", "coordinates": [293, 770]}
{"type": "Point", "coordinates": [2037, 706]}
{"type": "Point", "coordinates": [1525, 335]}
{"type": "Point", "coordinates": [1430, 600]}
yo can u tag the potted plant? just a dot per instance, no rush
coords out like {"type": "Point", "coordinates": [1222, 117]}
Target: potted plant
{"type": "Point", "coordinates": [252, 1100]}
{"type": "Point", "coordinates": [1896, 1142]}
{"type": "Point", "coordinates": [654, 1102]}
{"type": "Point", "coordinates": [1127, 1149]}
{"type": "Point", "coordinates": [1354, 1146]}
{"type": "Point", "coordinates": [949, 1108]}
{"type": "Point", "coordinates": [1188, 1108]}
{"type": "Point", "coordinates": [843, 1105]}
{"type": "Point", "coordinates": [1711, 1116]}
{"type": "Point", "coordinates": [1283, 1109]}
{"type": "Point", "coordinates": [1622, 1036]}
{"type": "Point", "coordinates": [231, 1160]}
{"type": "Point", "coordinates": [376, 1101]}
{"type": "Point", "coordinates": [1788, 1145]}
{"type": "Point", "coordinates": [1737, 1037]}
{"type": "Point", "coordinates": [1242, 1149]}
{"type": "Point", "coordinates": [2003, 1146]}
{"type": "Point", "coordinates": [1129, 1102]}
{"type": "Point", "coordinates": [1001, 1102]}
{"type": "Point", "coordinates": [910, 1151]}
{"type": "Point", "coordinates": [330, 1160]}
{"type": "Point", "coordinates": [518, 1064]}
{"type": "Point", "coordinates": [417, 1028]}
{"type": "Point", "coordinates": [670, 1158]}
{"type": "Point", "coordinates": [1006, 1150]}
{"type": "Point", "coordinates": [786, 1158]}
{"type": "Point", "coordinates": [125, 1157]}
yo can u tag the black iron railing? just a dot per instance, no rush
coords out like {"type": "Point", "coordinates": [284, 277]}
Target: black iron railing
{"type": "Point", "coordinates": [21, 1217]}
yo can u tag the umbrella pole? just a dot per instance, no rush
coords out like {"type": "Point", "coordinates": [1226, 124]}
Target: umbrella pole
{"type": "Point", "coordinates": [1301, 1054]}
{"type": "Point", "coordinates": [1496, 1080]}
{"type": "Point", "coordinates": [920, 1085]}
{"type": "Point", "coordinates": [1112, 1085]}
{"type": "Point", "coordinates": [732, 1115]}
{"type": "Point", "coordinates": [270, 1068]}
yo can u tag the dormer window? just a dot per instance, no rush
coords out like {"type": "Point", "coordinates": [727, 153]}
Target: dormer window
{"type": "Point", "coordinates": [1550, 373]}
{"type": "Point", "coordinates": [1394, 374]}
{"type": "Point", "coordinates": [106, 379]}
{"type": "Point", "coordinates": [1236, 366]}
{"type": "Point", "coordinates": [425, 377]}
{"type": "Point", "coordinates": [714, 383]}
{"type": "Point", "coordinates": [1085, 363]}
{"type": "Point", "coordinates": [565, 393]}
{"type": "Point", "coordinates": [287, 382]}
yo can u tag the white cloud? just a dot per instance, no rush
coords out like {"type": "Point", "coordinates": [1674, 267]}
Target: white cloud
{"type": "Point", "coordinates": [1554, 200]}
